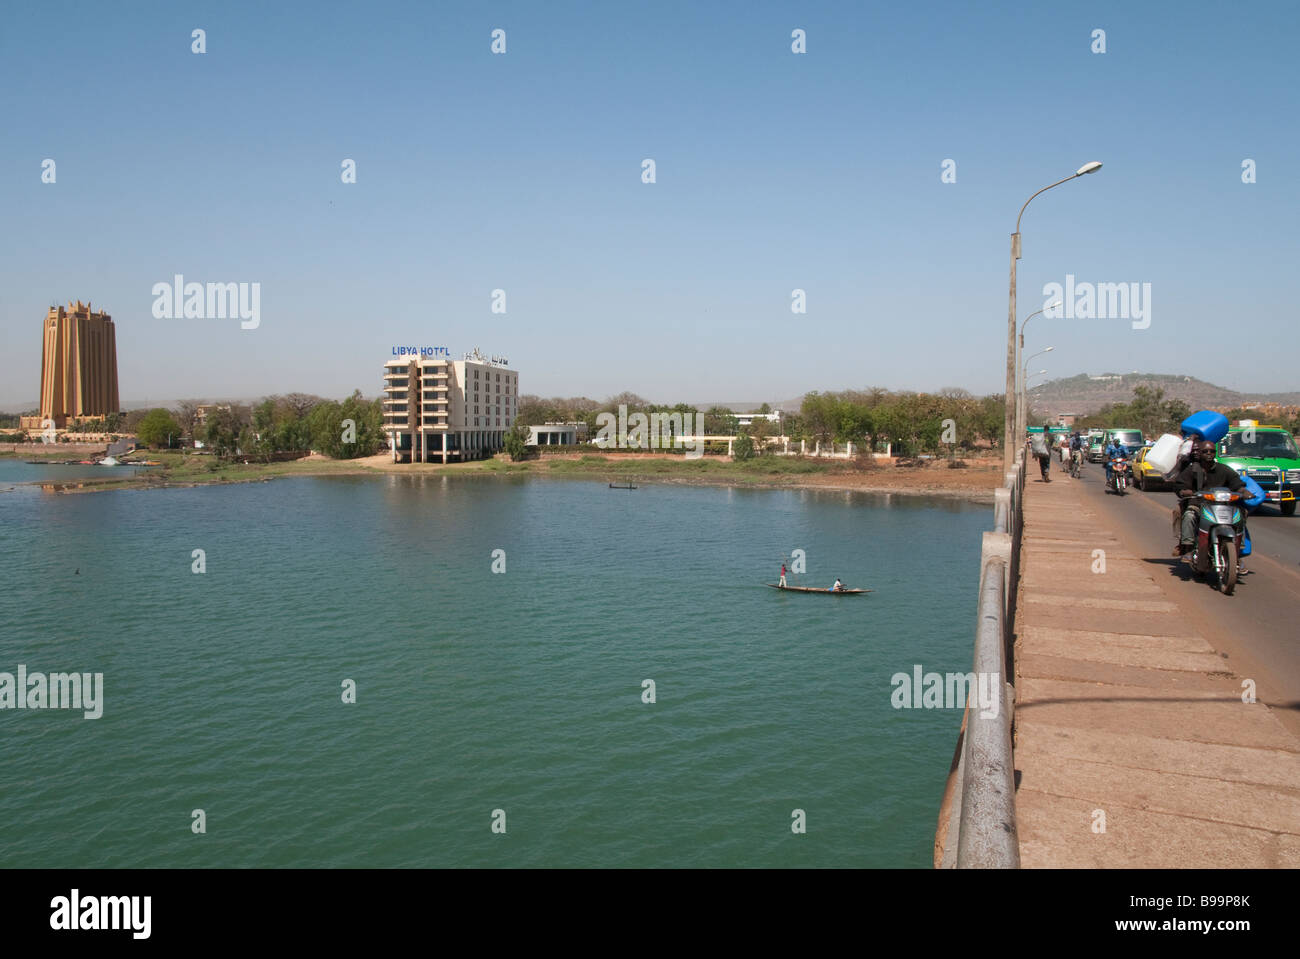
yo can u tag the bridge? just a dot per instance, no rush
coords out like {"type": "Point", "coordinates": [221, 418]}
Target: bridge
{"type": "Point", "coordinates": [1150, 720]}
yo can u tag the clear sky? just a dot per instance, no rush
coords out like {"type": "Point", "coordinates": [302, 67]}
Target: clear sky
{"type": "Point", "coordinates": [775, 171]}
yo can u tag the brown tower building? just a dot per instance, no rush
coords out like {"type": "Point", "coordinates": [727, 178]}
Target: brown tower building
{"type": "Point", "coordinates": [78, 365]}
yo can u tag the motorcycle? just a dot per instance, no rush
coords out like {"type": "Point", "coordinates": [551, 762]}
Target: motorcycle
{"type": "Point", "coordinates": [1220, 532]}
{"type": "Point", "coordinates": [1120, 478]}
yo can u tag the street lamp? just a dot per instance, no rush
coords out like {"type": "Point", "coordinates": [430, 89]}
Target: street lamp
{"type": "Point", "coordinates": [1024, 398]}
{"type": "Point", "coordinates": [1025, 409]}
{"type": "Point", "coordinates": [1020, 391]}
{"type": "Point", "coordinates": [1009, 417]}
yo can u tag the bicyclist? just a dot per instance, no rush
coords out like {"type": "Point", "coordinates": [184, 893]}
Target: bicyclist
{"type": "Point", "coordinates": [1076, 449]}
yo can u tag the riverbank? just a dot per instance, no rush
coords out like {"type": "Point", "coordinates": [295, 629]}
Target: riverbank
{"type": "Point", "coordinates": [974, 482]}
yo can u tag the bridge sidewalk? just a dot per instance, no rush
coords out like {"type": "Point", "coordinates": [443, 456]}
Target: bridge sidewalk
{"type": "Point", "coordinates": [1125, 716]}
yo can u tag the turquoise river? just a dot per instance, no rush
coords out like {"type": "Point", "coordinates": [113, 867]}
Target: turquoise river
{"type": "Point", "coordinates": [477, 690]}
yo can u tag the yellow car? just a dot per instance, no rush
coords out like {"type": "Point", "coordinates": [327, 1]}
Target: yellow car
{"type": "Point", "coordinates": [1145, 475]}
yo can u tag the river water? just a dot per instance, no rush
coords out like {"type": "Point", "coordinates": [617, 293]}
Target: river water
{"type": "Point", "coordinates": [512, 697]}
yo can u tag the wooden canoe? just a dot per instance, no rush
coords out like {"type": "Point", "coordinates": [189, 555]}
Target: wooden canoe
{"type": "Point", "coordinates": [815, 589]}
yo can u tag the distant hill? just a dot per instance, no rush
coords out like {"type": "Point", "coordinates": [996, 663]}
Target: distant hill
{"type": "Point", "coordinates": [785, 406]}
{"type": "Point", "coordinates": [1087, 393]}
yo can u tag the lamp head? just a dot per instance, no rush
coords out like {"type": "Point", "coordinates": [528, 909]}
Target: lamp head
{"type": "Point", "coordinates": [1091, 167]}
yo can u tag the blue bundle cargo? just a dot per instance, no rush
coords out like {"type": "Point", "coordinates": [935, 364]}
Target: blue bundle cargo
{"type": "Point", "coordinates": [1206, 424]}
{"type": "Point", "coordinates": [1256, 492]}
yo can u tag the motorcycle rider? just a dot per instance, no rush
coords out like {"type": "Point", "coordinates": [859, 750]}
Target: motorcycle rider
{"type": "Point", "coordinates": [1201, 474]}
{"type": "Point", "coordinates": [1114, 450]}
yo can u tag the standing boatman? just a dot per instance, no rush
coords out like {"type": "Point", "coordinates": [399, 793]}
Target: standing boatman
{"type": "Point", "coordinates": [782, 572]}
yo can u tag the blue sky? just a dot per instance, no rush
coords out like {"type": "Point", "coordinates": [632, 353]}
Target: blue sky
{"type": "Point", "coordinates": [775, 171]}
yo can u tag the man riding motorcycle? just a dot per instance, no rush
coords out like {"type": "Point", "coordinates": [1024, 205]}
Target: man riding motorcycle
{"type": "Point", "coordinates": [1201, 474]}
{"type": "Point", "coordinates": [1114, 450]}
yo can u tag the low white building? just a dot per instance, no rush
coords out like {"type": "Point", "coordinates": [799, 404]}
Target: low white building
{"type": "Point", "coordinates": [747, 419]}
{"type": "Point", "coordinates": [557, 434]}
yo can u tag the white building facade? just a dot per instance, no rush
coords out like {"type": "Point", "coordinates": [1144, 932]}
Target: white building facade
{"type": "Point", "coordinates": [442, 410]}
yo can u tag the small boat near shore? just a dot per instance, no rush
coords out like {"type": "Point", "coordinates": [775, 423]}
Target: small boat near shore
{"type": "Point", "coordinates": [616, 486]}
{"type": "Point", "coordinates": [818, 589]}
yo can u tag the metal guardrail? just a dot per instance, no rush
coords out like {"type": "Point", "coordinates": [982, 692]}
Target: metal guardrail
{"type": "Point", "coordinates": [977, 819]}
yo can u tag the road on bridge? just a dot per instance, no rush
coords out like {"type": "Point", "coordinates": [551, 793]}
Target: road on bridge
{"type": "Point", "coordinates": [1259, 625]}
{"type": "Point", "coordinates": [1137, 743]}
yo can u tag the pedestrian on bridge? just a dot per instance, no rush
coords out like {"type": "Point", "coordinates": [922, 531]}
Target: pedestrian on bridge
{"type": "Point", "coordinates": [1044, 453]}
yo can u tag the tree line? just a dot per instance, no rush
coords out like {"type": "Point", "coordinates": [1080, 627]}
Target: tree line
{"type": "Point", "coordinates": [292, 423]}
{"type": "Point", "coordinates": [912, 422]}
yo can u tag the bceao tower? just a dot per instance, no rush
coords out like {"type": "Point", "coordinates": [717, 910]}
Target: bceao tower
{"type": "Point", "coordinates": [78, 364]}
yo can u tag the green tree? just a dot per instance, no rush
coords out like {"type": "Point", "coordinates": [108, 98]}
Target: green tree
{"type": "Point", "coordinates": [158, 428]}
{"type": "Point", "coordinates": [367, 418]}
{"type": "Point", "coordinates": [325, 422]}
{"type": "Point", "coordinates": [719, 421]}
{"type": "Point", "coordinates": [221, 432]}
{"type": "Point", "coordinates": [743, 447]}
{"type": "Point", "coordinates": [516, 442]}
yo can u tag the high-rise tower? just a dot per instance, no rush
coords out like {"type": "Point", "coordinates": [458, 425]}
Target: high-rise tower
{"type": "Point", "coordinates": [78, 364]}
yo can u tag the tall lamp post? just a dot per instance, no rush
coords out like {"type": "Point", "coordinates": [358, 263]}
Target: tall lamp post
{"type": "Point", "coordinates": [1031, 376]}
{"type": "Point", "coordinates": [1020, 391]}
{"type": "Point", "coordinates": [1023, 416]}
{"type": "Point", "coordinates": [1008, 445]}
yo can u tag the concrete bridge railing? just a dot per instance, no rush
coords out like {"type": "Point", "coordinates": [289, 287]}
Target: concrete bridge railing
{"type": "Point", "coordinates": [977, 818]}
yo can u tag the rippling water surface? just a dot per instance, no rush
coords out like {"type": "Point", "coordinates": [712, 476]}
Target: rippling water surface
{"type": "Point", "coordinates": [477, 691]}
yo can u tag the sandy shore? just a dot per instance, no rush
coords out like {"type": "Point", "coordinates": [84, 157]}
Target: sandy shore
{"type": "Point", "coordinates": [974, 483]}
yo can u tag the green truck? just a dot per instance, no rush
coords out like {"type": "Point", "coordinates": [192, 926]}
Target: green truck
{"type": "Point", "coordinates": [1269, 457]}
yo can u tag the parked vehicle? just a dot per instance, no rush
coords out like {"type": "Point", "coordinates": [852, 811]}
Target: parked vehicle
{"type": "Point", "coordinates": [1220, 528]}
{"type": "Point", "coordinates": [1269, 457]}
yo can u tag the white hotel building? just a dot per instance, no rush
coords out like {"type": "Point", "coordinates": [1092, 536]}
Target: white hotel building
{"type": "Point", "coordinates": [438, 410]}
